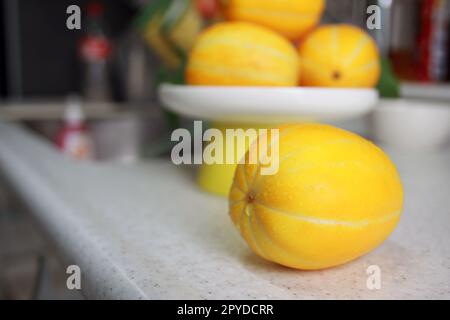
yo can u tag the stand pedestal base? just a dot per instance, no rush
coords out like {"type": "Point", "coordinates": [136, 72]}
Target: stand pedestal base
{"type": "Point", "coordinates": [218, 178]}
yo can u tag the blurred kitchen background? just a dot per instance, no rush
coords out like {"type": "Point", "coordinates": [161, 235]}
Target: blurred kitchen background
{"type": "Point", "coordinates": [99, 82]}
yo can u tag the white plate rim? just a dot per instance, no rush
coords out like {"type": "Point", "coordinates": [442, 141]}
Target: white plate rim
{"type": "Point", "coordinates": [290, 102]}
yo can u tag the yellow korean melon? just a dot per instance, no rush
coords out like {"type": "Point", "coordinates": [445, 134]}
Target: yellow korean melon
{"type": "Point", "coordinates": [339, 56]}
{"type": "Point", "coordinates": [242, 54]}
{"type": "Point", "coordinates": [291, 18]}
{"type": "Point", "coordinates": [335, 197]}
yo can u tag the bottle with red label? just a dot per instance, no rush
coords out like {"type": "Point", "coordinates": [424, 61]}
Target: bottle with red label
{"type": "Point", "coordinates": [433, 40]}
{"type": "Point", "coordinates": [74, 138]}
{"type": "Point", "coordinates": [95, 50]}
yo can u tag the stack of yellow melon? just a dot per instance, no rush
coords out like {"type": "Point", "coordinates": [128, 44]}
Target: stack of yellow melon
{"type": "Point", "coordinates": [256, 48]}
{"type": "Point", "coordinates": [335, 196]}
{"type": "Point", "coordinates": [242, 54]}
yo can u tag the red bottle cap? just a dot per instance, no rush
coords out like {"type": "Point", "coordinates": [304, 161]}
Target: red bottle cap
{"type": "Point", "coordinates": [95, 9]}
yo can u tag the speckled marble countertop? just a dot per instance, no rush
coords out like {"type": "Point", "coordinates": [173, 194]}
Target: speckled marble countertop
{"type": "Point", "coordinates": [146, 231]}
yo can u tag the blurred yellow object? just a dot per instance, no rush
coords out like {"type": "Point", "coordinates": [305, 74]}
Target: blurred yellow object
{"type": "Point", "coordinates": [242, 54]}
{"type": "Point", "coordinates": [339, 56]}
{"type": "Point", "coordinates": [218, 178]}
{"type": "Point", "coordinates": [291, 18]}
{"type": "Point", "coordinates": [170, 27]}
{"type": "Point", "coordinates": [335, 197]}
